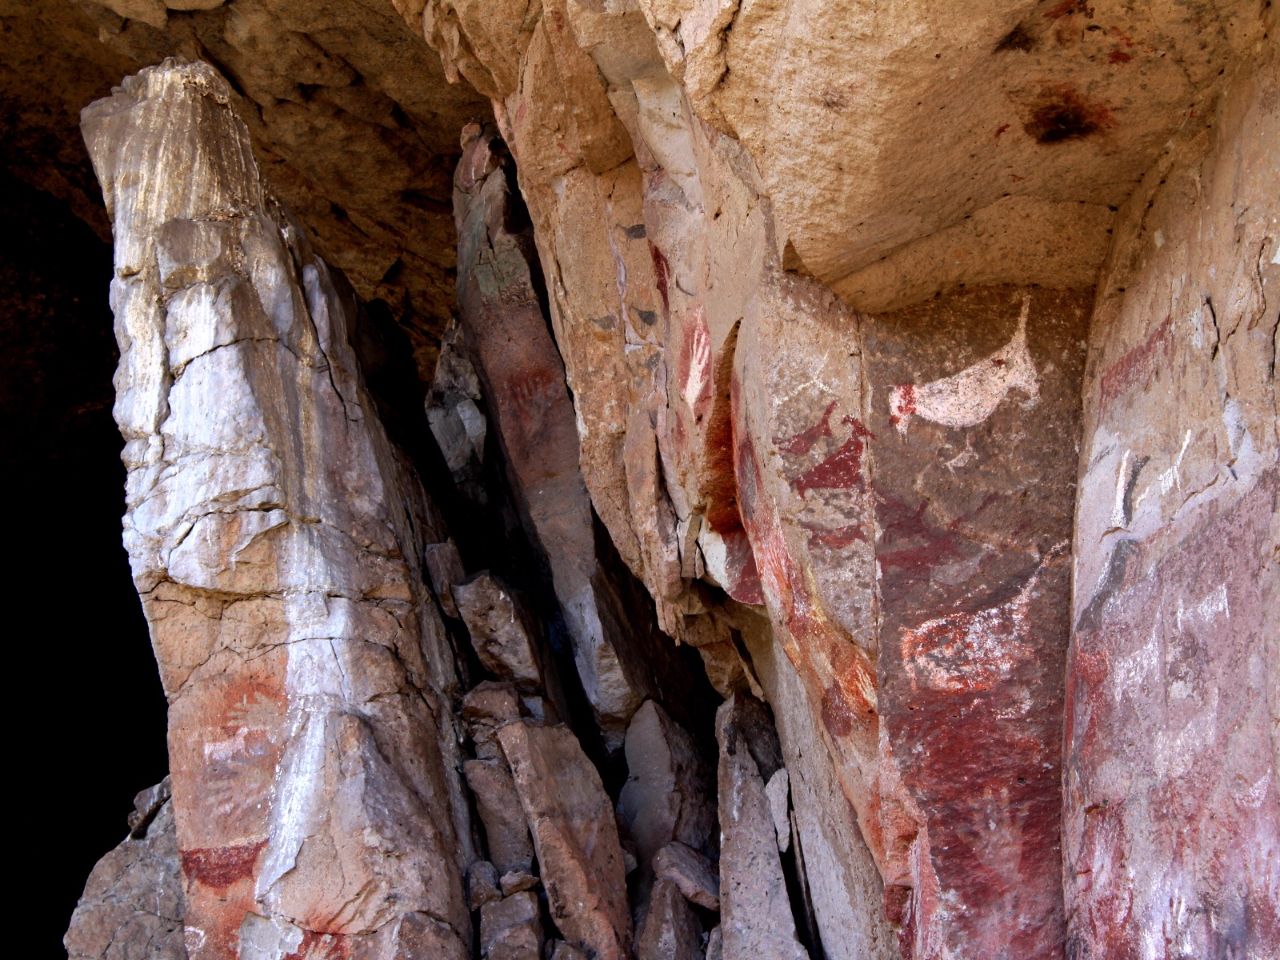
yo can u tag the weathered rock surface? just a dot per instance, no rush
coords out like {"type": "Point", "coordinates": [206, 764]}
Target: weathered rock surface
{"type": "Point", "coordinates": [498, 806]}
{"type": "Point", "coordinates": [692, 874]}
{"type": "Point", "coordinates": [482, 884]}
{"type": "Point", "coordinates": [444, 570]}
{"type": "Point", "coordinates": [919, 364]}
{"type": "Point", "coordinates": [133, 905]}
{"type": "Point", "coordinates": [669, 793]}
{"type": "Point", "coordinates": [756, 918]}
{"type": "Point", "coordinates": [524, 377]}
{"type": "Point", "coordinates": [502, 632]}
{"type": "Point", "coordinates": [274, 535]}
{"type": "Point", "coordinates": [1172, 809]}
{"type": "Point", "coordinates": [575, 836]}
{"type": "Point", "coordinates": [671, 930]}
{"type": "Point", "coordinates": [511, 928]}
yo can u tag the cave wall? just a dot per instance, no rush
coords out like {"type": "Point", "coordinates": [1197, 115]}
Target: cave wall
{"type": "Point", "coordinates": [1172, 836]}
{"type": "Point", "coordinates": [918, 375]}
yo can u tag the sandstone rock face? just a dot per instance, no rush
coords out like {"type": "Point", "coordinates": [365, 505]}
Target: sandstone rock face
{"type": "Point", "coordinates": [524, 376]}
{"type": "Point", "coordinates": [895, 491]}
{"type": "Point", "coordinates": [274, 535]}
{"type": "Point", "coordinates": [133, 905]}
{"type": "Point", "coordinates": [1172, 816]}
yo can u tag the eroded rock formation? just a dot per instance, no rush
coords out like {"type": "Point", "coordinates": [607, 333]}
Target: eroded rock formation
{"type": "Point", "coordinates": [275, 537]}
{"type": "Point", "coordinates": [918, 376]}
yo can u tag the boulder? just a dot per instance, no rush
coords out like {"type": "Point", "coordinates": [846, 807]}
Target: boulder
{"type": "Point", "coordinates": [574, 834]}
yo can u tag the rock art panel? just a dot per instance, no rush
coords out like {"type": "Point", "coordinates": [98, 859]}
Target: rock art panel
{"type": "Point", "coordinates": [524, 379]}
{"type": "Point", "coordinates": [1171, 810]}
{"type": "Point", "coordinates": [275, 537]}
{"type": "Point", "coordinates": [973, 500]}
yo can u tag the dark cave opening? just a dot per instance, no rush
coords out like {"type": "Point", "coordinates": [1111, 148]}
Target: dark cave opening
{"type": "Point", "coordinates": [101, 739]}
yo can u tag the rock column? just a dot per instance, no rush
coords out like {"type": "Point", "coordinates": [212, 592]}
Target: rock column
{"type": "Point", "coordinates": [274, 535]}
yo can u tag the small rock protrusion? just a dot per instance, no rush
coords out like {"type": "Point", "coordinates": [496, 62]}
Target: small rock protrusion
{"type": "Point", "coordinates": [501, 631]}
{"type": "Point", "coordinates": [515, 881]}
{"type": "Point", "coordinates": [444, 569]}
{"type": "Point", "coordinates": [715, 944]}
{"type": "Point", "coordinates": [511, 928]}
{"type": "Point", "coordinates": [691, 873]}
{"type": "Point", "coordinates": [755, 907]}
{"type": "Point", "coordinates": [778, 790]}
{"type": "Point", "coordinates": [668, 792]}
{"type": "Point", "coordinates": [482, 884]}
{"type": "Point", "coordinates": [671, 929]}
{"type": "Point", "coordinates": [505, 831]}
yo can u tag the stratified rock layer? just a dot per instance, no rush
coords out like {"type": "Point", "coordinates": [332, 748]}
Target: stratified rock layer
{"type": "Point", "coordinates": [274, 535]}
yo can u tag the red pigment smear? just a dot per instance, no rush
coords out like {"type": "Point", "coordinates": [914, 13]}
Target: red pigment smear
{"type": "Point", "coordinates": [918, 546]}
{"type": "Point", "coordinates": [1119, 56]}
{"type": "Point", "coordinates": [1063, 115]}
{"type": "Point", "coordinates": [220, 867]}
{"type": "Point", "coordinates": [837, 715]}
{"type": "Point", "coordinates": [1138, 366]}
{"type": "Point", "coordinates": [321, 946]}
{"type": "Point", "coordinates": [746, 586]}
{"type": "Point", "coordinates": [837, 538]}
{"type": "Point", "coordinates": [803, 441]}
{"type": "Point", "coordinates": [662, 271]}
{"type": "Point", "coordinates": [1001, 129]}
{"type": "Point", "coordinates": [840, 471]}
{"type": "Point", "coordinates": [905, 395]}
